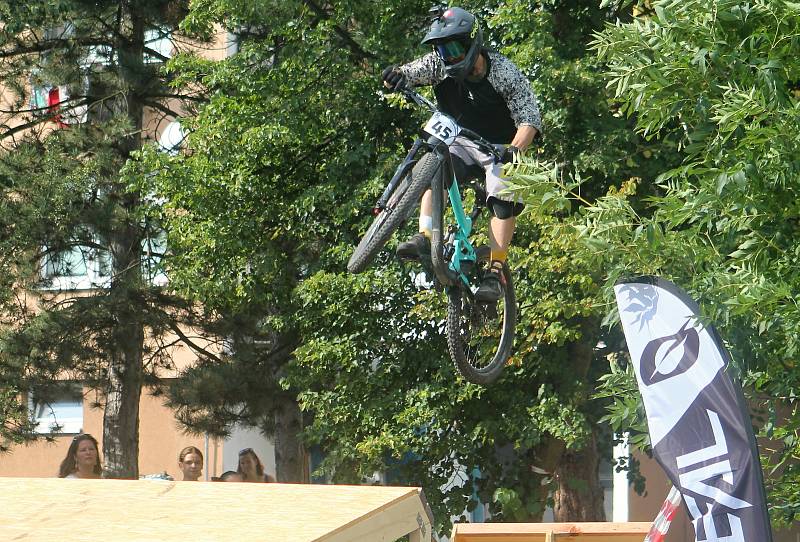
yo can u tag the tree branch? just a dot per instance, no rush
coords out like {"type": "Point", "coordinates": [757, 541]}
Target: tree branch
{"type": "Point", "coordinates": [10, 131]}
{"type": "Point", "coordinates": [179, 97]}
{"type": "Point", "coordinates": [77, 101]}
{"type": "Point", "coordinates": [49, 45]}
{"type": "Point", "coordinates": [197, 348]}
{"type": "Point", "coordinates": [353, 45]}
{"type": "Point", "coordinates": [160, 107]}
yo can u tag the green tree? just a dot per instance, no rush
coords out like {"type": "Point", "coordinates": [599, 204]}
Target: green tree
{"type": "Point", "coordinates": [256, 204]}
{"type": "Point", "coordinates": [718, 81]}
{"type": "Point", "coordinates": [65, 208]}
{"type": "Point", "coordinates": [588, 138]}
{"type": "Point", "coordinates": [283, 166]}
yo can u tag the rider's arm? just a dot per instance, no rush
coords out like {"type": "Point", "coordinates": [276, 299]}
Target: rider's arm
{"type": "Point", "coordinates": [524, 136]}
{"type": "Point", "coordinates": [515, 88]}
{"type": "Point", "coordinates": [427, 70]}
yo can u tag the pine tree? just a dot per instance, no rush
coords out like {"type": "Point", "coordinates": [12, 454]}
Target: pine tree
{"type": "Point", "coordinates": [79, 79]}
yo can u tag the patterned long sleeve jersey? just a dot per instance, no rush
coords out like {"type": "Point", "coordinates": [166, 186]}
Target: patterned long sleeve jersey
{"type": "Point", "coordinates": [503, 75]}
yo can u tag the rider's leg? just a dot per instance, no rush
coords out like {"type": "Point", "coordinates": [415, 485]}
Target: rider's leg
{"type": "Point", "coordinates": [418, 245]}
{"type": "Point", "coordinates": [426, 214]}
{"type": "Point", "coordinates": [501, 230]}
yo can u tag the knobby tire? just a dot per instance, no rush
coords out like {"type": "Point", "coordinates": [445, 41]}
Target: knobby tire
{"type": "Point", "coordinates": [401, 204]}
{"type": "Point", "coordinates": [460, 320]}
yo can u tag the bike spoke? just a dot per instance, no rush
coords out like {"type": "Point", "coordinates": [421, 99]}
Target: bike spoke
{"type": "Point", "coordinates": [480, 332]}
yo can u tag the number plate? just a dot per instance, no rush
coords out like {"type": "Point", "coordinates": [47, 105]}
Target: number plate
{"type": "Point", "coordinates": [443, 127]}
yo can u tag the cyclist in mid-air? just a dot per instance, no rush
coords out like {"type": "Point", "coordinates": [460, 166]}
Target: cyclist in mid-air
{"type": "Point", "coordinates": [485, 92]}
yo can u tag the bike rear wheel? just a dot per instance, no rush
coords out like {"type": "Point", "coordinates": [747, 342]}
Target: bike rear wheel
{"type": "Point", "coordinates": [401, 204]}
{"type": "Point", "coordinates": [480, 336]}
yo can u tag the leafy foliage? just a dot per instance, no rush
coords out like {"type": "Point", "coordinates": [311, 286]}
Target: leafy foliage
{"type": "Point", "coordinates": [262, 198]}
{"type": "Point", "coordinates": [716, 81]}
{"type": "Point", "coordinates": [290, 150]}
{"type": "Point", "coordinates": [282, 167]}
{"type": "Point", "coordinates": [64, 209]}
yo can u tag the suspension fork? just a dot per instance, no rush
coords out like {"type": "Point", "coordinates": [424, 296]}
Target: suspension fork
{"type": "Point", "coordinates": [401, 171]}
{"type": "Point", "coordinates": [440, 266]}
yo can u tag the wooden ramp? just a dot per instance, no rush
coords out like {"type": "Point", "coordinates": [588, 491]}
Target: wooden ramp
{"type": "Point", "coordinates": [550, 532]}
{"type": "Point", "coordinates": [50, 509]}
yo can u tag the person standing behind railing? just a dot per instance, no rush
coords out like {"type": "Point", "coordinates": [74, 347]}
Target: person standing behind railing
{"type": "Point", "coordinates": [190, 462]}
{"type": "Point", "coordinates": [250, 467]}
{"type": "Point", "coordinates": [83, 458]}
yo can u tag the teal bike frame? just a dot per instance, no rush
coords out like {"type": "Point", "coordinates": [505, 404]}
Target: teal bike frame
{"type": "Point", "coordinates": [451, 260]}
{"type": "Point", "coordinates": [463, 251]}
{"type": "Point", "coordinates": [450, 268]}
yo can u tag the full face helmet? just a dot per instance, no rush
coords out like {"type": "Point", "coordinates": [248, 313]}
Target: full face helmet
{"type": "Point", "coordinates": [457, 38]}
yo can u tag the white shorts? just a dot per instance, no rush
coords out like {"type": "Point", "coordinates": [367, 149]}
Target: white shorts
{"type": "Point", "coordinates": [472, 155]}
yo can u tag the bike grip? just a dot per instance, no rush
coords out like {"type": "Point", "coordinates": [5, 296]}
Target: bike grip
{"type": "Point", "coordinates": [505, 153]}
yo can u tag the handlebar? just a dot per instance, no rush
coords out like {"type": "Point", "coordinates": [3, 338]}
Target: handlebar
{"type": "Point", "coordinates": [419, 99]}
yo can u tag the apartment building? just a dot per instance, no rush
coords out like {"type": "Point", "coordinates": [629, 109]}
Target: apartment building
{"type": "Point", "coordinates": [80, 270]}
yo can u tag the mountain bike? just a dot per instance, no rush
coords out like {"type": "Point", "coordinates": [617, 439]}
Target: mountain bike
{"type": "Point", "coordinates": [479, 335]}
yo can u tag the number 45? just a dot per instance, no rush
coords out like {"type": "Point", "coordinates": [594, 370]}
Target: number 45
{"type": "Point", "coordinates": [443, 131]}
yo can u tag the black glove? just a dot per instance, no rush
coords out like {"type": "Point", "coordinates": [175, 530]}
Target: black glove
{"type": "Point", "coordinates": [394, 79]}
{"type": "Point", "coordinates": [506, 153]}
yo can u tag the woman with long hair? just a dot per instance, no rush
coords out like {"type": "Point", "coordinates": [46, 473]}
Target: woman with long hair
{"type": "Point", "coordinates": [83, 458]}
{"type": "Point", "coordinates": [250, 467]}
{"type": "Point", "coordinates": [190, 461]}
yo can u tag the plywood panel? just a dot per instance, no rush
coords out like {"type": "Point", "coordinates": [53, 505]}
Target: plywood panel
{"type": "Point", "coordinates": [127, 510]}
{"type": "Point", "coordinates": [544, 532]}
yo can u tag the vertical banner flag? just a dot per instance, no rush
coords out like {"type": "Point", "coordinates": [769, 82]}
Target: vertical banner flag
{"type": "Point", "coordinates": [700, 429]}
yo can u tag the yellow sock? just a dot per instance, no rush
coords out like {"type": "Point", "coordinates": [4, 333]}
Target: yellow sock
{"type": "Point", "coordinates": [499, 255]}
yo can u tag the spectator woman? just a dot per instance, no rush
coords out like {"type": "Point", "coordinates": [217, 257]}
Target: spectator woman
{"type": "Point", "coordinates": [190, 461]}
{"type": "Point", "coordinates": [250, 467]}
{"type": "Point", "coordinates": [82, 460]}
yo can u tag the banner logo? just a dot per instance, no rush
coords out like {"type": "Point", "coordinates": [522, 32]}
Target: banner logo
{"type": "Point", "coordinates": [677, 357]}
{"type": "Point", "coordinates": [655, 360]}
{"type": "Point", "coordinates": [703, 478]}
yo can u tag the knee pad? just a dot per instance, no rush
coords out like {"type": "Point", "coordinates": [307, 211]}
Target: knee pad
{"type": "Point", "coordinates": [504, 209]}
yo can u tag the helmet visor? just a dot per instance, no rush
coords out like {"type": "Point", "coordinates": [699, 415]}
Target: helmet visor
{"type": "Point", "coordinates": [451, 52]}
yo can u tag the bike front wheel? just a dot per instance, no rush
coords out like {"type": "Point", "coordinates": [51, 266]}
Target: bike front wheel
{"type": "Point", "coordinates": [401, 204]}
{"type": "Point", "coordinates": [479, 335]}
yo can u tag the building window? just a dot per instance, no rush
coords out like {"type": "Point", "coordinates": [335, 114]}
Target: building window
{"type": "Point", "coordinates": [160, 41]}
{"type": "Point", "coordinates": [89, 268]}
{"type": "Point", "coordinates": [56, 102]}
{"type": "Point", "coordinates": [76, 268]}
{"type": "Point", "coordinates": [61, 414]}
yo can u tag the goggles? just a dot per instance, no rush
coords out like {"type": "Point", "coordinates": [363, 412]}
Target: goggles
{"type": "Point", "coordinates": [451, 52]}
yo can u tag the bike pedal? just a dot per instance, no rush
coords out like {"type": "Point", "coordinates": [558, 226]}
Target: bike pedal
{"type": "Point", "coordinates": [408, 259]}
